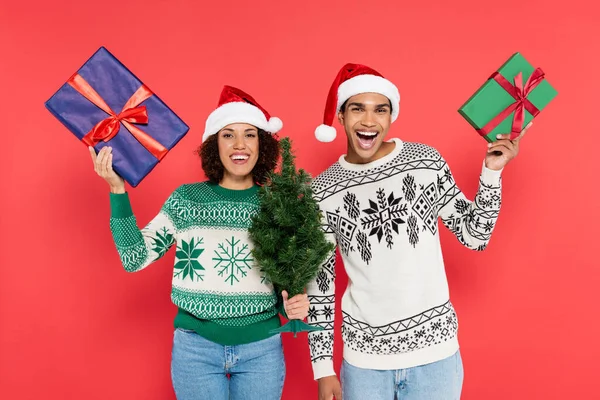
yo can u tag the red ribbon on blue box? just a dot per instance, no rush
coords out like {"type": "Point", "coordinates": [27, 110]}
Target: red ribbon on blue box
{"type": "Point", "coordinates": [132, 113]}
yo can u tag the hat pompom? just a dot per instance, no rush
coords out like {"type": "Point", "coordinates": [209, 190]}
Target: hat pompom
{"type": "Point", "coordinates": [325, 133]}
{"type": "Point", "coordinates": [275, 125]}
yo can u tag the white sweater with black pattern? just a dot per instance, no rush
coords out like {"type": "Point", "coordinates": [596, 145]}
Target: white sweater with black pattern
{"type": "Point", "coordinates": [383, 216]}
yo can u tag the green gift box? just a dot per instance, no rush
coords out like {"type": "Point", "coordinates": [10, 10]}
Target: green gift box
{"type": "Point", "coordinates": [508, 100]}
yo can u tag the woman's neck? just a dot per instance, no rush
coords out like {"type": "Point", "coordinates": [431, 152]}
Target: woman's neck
{"type": "Point", "coordinates": [236, 183]}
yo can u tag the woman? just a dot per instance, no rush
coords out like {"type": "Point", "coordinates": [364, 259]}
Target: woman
{"type": "Point", "coordinates": [222, 348]}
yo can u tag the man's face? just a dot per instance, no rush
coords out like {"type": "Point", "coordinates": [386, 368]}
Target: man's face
{"type": "Point", "coordinates": [366, 119]}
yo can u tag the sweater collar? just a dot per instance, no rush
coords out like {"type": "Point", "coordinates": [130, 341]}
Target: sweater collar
{"type": "Point", "coordinates": [233, 194]}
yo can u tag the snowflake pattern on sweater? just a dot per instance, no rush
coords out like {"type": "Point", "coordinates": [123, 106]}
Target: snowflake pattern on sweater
{"type": "Point", "coordinates": [384, 218]}
{"type": "Point", "coordinates": [214, 275]}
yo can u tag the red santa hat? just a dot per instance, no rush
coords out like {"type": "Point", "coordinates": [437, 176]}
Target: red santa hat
{"type": "Point", "coordinates": [354, 79]}
{"type": "Point", "coordinates": [236, 106]}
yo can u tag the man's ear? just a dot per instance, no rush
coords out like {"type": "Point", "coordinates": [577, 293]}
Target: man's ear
{"type": "Point", "coordinates": [340, 117]}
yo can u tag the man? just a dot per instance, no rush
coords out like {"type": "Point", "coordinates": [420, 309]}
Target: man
{"type": "Point", "coordinates": [381, 203]}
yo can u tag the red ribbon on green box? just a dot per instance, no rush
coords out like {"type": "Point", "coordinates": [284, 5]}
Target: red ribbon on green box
{"type": "Point", "coordinates": [520, 93]}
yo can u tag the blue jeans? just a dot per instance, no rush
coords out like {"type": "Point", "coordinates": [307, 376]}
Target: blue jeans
{"type": "Point", "coordinates": [441, 380]}
{"type": "Point", "coordinates": [200, 369]}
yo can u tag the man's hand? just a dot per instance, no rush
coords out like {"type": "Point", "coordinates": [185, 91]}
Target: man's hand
{"type": "Point", "coordinates": [329, 388]}
{"type": "Point", "coordinates": [503, 150]}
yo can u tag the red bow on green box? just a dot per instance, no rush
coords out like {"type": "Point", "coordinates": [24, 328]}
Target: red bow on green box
{"type": "Point", "coordinates": [501, 107]}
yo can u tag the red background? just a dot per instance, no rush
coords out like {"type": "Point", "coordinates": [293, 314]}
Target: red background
{"type": "Point", "coordinates": [74, 325]}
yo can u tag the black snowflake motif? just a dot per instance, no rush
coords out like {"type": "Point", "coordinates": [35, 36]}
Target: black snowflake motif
{"type": "Point", "coordinates": [489, 225]}
{"type": "Point", "coordinates": [474, 219]}
{"type": "Point", "coordinates": [420, 333]}
{"type": "Point", "coordinates": [351, 205]}
{"type": "Point", "coordinates": [403, 339]}
{"type": "Point", "coordinates": [383, 216]}
{"type": "Point", "coordinates": [413, 231]}
{"type": "Point", "coordinates": [351, 336]}
{"type": "Point", "coordinates": [327, 312]}
{"type": "Point", "coordinates": [368, 339]}
{"type": "Point", "coordinates": [409, 188]}
{"type": "Point", "coordinates": [323, 281]}
{"type": "Point", "coordinates": [436, 326]}
{"type": "Point", "coordinates": [386, 342]}
{"type": "Point", "coordinates": [313, 314]}
{"type": "Point", "coordinates": [485, 203]}
{"type": "Point", "coordinates": [461, 206]}
{"type": "Point", "coordinates": [445, 178]}
{"type": "Point", "coordinates": [364, 246]}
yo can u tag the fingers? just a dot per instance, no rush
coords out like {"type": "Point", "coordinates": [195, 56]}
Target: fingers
{"type": "Point", "coordinates": [297, 302]}
{"type": "Point", "coordinates": [337, 392]}
{"type": "Point", "coordinates": [299, 298]}
{"type": "Point", "coordinates": [297, 307]}
{"type": "Point", "coordinates": [330, 396]}
{"type": "Point", "coordinates": [100, 159]}
{"type": "Point", "coordinates": [523, 132]}
{"type": "Point", "coordinates": [284, 294]}
{"type": "Point", "coordinates": [109, 164]}
{"type": "Point", "coordinates": [93, 155]}
{"type": "Point", "coordinates": [105, 162]}
{"type": "Point", "coordinates": [300, 315]}
{"type": "Point", "coordinates": [103, 165]}
{"type": "Point", "coordinates": [502, 145]}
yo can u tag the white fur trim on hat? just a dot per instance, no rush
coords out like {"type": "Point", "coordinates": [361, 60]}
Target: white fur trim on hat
{"type": "Point", "coordinates": [238, 113]}
{"type": "Point", "coordinates": [275, 125]}
{"type": "Point", "coordinates": [325, 133]}
{"type": "Point", "coordinates": [369, 84]}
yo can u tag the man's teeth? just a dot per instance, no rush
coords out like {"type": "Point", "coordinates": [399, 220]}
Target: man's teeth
{"type": "Point", "coordinates": [240, 157]}
{"type": "Point", "coordinates": [367, 133]}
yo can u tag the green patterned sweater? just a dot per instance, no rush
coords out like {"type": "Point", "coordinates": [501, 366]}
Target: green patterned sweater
{"type": "Point", "coordinates": [220, 292]}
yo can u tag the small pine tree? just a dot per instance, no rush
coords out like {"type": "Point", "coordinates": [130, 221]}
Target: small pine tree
{"type": "Point", "coordinates": [289, 243]}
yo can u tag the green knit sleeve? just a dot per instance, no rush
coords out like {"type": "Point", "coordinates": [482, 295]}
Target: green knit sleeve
{"type": "Point", "coordinates": [139, 248]}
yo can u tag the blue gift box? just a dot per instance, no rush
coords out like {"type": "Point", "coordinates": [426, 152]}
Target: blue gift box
{"type": "Point", "coordinates": [115, 84]}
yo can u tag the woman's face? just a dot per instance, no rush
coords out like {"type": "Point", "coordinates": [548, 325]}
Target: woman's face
{"type": "Point", "coordinates": [238, 150]}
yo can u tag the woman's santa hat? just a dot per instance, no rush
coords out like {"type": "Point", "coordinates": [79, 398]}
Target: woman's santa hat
{"type": "Point", "coordinates": [236, 106]}
{"type": "Point", "coordinates": [354, 79]}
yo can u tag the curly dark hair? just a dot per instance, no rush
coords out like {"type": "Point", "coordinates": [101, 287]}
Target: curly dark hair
{"type": "Point", "coordinates": [268, 155]}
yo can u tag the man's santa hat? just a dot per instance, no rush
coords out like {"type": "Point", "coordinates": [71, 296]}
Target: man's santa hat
{"type": "Point", "coordinates": [354, 79]}
{"type": "Point", "coordinates": [236, 106]}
